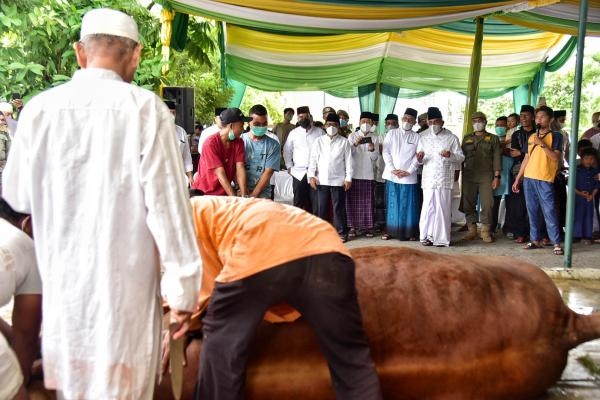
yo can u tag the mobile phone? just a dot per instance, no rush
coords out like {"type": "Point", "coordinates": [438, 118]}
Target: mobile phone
{"type": "Point", "coordinates": [367, 139]}
{"type": "Point", "coordinates": [16, 96]}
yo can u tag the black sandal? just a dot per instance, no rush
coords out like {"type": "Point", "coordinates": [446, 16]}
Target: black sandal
{"type": "Point", "coordinates": [558, 251]}
{"type": "Point", "coordinates": [532, 246]}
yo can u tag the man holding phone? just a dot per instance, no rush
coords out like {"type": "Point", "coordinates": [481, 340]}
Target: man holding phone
{"type": "Point", "coordinates": [360, 206]}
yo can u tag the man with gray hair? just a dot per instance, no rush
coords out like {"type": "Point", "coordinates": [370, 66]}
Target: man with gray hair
{"type": "Point", "coordinates": [108, 209]}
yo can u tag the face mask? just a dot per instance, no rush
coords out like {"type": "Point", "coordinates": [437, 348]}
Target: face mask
{"type": "Point", "coordinates": [500, 131]}
{"type": "Point", "coordinates": [231, 136]}
{"type": "Point", "coordinates": [562, 125]}
{"type": "Point", "coordinates": [478, 126]}
{"type": "Point", "coordinates": [259, 130]}
{"type": "Point", "coordinates": [343, 123]}
{"type": "Point", "coordinates": [304, 123]}
{"type": "Point", "coordinates": [331, 131]}
{"type": "Point", "coordinates": [407, 126]}
{"type": "Point", "coordinates": [364, 128]}
{"type": "Point", "coordinates": [373, 129]}
{"type": "Point", "coordinates": [436, 129]}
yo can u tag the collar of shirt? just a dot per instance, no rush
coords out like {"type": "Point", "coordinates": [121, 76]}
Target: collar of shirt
{"type": "Point", "coordinates": [96, 73]}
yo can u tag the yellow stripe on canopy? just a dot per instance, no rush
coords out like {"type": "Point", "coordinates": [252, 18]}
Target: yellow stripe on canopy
{"type": "Point", "coordinates": [459, 43]}
{"type": "Point", "coordinates": [302, 44]}
{"type": "Point", "coordinates": [437, 40]}
{"type": "Point", "coordinates": [317, 9]}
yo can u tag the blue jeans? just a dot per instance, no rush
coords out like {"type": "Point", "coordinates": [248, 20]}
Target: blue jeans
{"type": "Point", "coordinates": [539, 197]}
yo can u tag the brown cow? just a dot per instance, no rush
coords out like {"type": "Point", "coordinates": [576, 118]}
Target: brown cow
{"type": "Point", "coordinates": [440, 327]}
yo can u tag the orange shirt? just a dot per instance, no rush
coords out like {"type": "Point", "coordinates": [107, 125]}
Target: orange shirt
{"type": "Point", "coordinates": [540, 166]}
{"type": "Point", "coordinates": [240, 237]}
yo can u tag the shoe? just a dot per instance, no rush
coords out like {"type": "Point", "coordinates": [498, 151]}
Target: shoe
{"type": "Point", "coordinates": [426, 242]}
{"type": "Point", "coordinates": [532, 246]}
{"type": "Point", "coordinates": [558, 251]}
{"type": "Point", "coordinates": [352, 233]}
{"type": "Point", "coordinates": [510, 235]}
{"type": "Point", "coordinates": [369, 234]}
{"type": "Point", "coordinates": [472, 235]}
{"type": "Point", "coordinates": [486, 234]}
{"type": "Point", "coordinates": [385, 236]}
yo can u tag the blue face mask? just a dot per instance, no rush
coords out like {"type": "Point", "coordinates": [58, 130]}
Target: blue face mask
{"type": "Point", "coordinates": [501, 131]}
{"type": "Point", "coordinates": [231, 136]}
{"type": "Point", "coordinates": [343, 122]}
{"type": "Point", "coordinates": [259, 130]}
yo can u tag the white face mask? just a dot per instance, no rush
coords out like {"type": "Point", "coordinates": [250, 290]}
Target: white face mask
{"type": "Point", "coordinates": [407, 126]}
{"type": "Point", "coordinates": [365, 128]}
{"type": "Point", "coordinates": [331, 131]}
{"type": "Point", "coordinates": [436, 129]}
{"type": "Point", "coordinates": [478, 126]}
{"type": "Point", "coordinates": [373, 129]}
{"type": "Point", "coordinates": [562, 125]}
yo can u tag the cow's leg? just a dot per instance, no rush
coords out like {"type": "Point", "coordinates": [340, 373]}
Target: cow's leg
{"type": "Point", "coordinates": [328, 301]}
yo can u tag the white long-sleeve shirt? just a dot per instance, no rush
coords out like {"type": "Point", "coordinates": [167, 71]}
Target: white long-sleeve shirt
{"type": "Point", "coordinates": [400, 152]}
{"type": "Point", "coordinates": [96, 164]}
{"type": "Point", "coordinates": [362, 159]}
{"type": "Point", "coordinates": [296, 151]}
{"type": "Point", "coordinates": [331, 161]}
{"type": "Point", "coordinates": [438, 171]}
{"type": "Point", "coordinates": [184, 148]}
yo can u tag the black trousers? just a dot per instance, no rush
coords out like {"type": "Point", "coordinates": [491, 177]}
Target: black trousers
{"type": "Point", "coordinates": [335, 196]}
{"type": "Point", "coordinates": [305, 197]}
{"type": "Point", "coordinates": [322, 288]}
{"type": "Point", "coordinates": [517, 219]}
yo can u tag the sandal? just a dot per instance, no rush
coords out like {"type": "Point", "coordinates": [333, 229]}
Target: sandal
{"type": "Point", "coordinates": [532, 246]}
{"type": "Point", "coordinates": [520, 239]}
{"type": "Point", "coordinates": [427, 242]}
{"type": "Point", "coordinates": [385, 236]}
{"type": "Point", "coordinates": [558, 251]}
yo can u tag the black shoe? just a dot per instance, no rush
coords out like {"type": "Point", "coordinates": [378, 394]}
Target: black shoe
{"type": "Point", "coordinates": [426, 242]}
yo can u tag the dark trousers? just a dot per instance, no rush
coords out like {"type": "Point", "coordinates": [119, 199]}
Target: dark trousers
{"type": "Point", "coordinates": [495, 212]}
{"type": "Point", "coordinates": [305, 197]}
{"type": "Point", "coordinates": [335, 195]}
{"type": "Point", "coordinates": [517, 220]}
{"type": "Point", "coordinates": [322, 288]}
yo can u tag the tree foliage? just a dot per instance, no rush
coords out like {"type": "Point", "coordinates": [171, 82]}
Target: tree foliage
{"type": "Point", "coordinates": [37, 37]}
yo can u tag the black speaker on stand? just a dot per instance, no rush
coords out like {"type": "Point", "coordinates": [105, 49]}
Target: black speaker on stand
{"type": "Point", "coordinates": [184, 100]}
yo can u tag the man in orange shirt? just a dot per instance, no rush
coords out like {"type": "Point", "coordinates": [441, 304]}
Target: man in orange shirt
{"type": "Point", "coordinates": [311, 270]}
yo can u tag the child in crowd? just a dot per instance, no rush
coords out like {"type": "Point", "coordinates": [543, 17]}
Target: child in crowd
{"type": "Point", "coordinates": [586, 188]}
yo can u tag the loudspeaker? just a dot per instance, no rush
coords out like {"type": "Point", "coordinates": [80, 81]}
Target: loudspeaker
{"type": "Point", "coordinates": [184, 100]}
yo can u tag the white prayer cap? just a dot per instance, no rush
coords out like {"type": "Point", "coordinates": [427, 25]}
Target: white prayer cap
{"type": "Point", "coordinates": [6, 107]}
{"type": "Point", "coordinates": [109, 22]}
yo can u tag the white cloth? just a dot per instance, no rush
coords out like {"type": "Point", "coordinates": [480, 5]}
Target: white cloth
{"type": "Point", "coordinates": [363, 160]}
{"type": "Point", "coordinates": [184, 148]}
{"type": "Point", "coordinates": [274, 137]}
{"type": "Point", "coordinates": [595, 141]}
{"type": "Point", "coordinates": [96, 164]}
{"type": "Point", "coordinates": [331, 161]}
{"type": "Point", "coordinates": [11, 378]}
{"type": "Point", "coordinates": [400, 152]}
{"type": "Point", "coordinates": [18, 268]}
{"type": "Point", "coordinates": [438, 171]}
{"type": "Point", "coordinates": [297, 147]}
{"type": "Point", "coordinates": [435, 222]}
{"type": "Point", "coordinates": [12, 126]}
{"type": "Point", "coordinates": [211, 130]}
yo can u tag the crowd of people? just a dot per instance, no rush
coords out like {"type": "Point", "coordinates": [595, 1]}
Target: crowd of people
{"type": "Point", "coordinates": [98, 170]}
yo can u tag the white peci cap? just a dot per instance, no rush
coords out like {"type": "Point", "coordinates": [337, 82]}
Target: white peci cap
{"type": "Point", "coordinates": [6, 107]}
{"type": "Point", "coordinates": [109, 22]}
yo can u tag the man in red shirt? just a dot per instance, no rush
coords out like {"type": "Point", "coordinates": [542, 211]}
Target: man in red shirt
{"type": "Point", "coordinates": [223, 158]}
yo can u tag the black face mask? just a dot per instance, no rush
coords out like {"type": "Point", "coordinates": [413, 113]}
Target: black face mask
{"type": "Point", "coordinates": [304, 123]}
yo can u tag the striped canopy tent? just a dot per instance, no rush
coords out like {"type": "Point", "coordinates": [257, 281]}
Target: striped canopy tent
{"type": "Point", "coordinates": [381, 50]}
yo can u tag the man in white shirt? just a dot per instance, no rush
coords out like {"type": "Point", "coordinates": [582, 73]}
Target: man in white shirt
{"type": "Point", "coordinates": [211, 130]}
{"type": "Point", "coordinates": [296, 153]}
{"type": "Point", "coordinates": [400, 173]}
{"type": "Point", "coordinates": [19, 277]}
{"type": "Point", "coordinates": [108, 209]}
{"type": "Point", "coordinates": [330, 173]}
{"type": "Point", "coordinates": [183, 142]}
{"type": "Point", "coordinates": [440, 153]}
{"type": "Point", "coordinates": [360, 207]}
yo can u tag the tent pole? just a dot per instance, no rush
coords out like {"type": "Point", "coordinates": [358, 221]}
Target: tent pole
{"type": "Point", "coordinates": [583, 12]}
{"type": "Point", "coordinates": [474, 74]}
